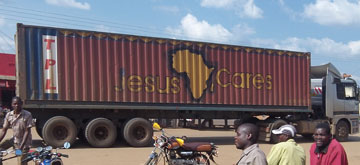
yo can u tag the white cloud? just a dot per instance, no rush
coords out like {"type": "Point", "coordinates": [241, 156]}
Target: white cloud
{"type": "Point", "coordinates": [192, 28]}
{"type": "Point", "coordinates": [70, 3]}
{"type": "Point", "coordinates": [292, 13]}
{"type": "Point", "coordinates": [334, 12]}
{"type": "Point", "coordinates": [243, 8]}
{"type": "Point", "coordinates": [241, 31]}
{"type": "Point", "coordinates": [169, 9]}
{"type": "Point", "coordinates": [217, 3]}
{"type": "Point", "coordinates": [324, 47]}
{"type": "Point", "coordinates": [354, 47]}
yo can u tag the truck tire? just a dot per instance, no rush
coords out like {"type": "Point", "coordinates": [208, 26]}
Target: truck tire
{"type": "Point", "coordinates": [138, 132]}
{"type": "Point", "coordinates": [277, 124]}
{"type": "Point", "coordinates": [342, 131]}
{"type": "Point", "coordinates": [207, 123]}
{"type": "Point", "coordinates": [100, 132]}
{"type": "Point", "coordinates": [58, 130]}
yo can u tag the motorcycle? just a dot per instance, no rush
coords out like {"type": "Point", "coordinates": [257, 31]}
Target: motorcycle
{"type": "Point", "coordinates": [45, 156]}
{"type": "Point", "coordinates": [6, 152]}
{"type": "Point", "coordinates": [175, 151]}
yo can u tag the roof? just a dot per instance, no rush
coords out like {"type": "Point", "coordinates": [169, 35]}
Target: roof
{"type": "Point", "coordinates": [322, 70]}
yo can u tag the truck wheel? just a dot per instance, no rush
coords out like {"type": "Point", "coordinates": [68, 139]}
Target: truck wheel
{"type": "Point", "coordinates": [58, 130]}
{"type": "Point", "coordinates": [342, 131]}
{"type": "Point", "coordinates": [207, 123]}
{"type": "Point", "coordinates": [100, 132]}
{"type": "Point", "coordinates": [277, 124]}
{"type": "Point", "coordinates": [138, 132]}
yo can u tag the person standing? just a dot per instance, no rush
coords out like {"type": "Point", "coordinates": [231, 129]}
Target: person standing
{"type": "Point", "coordinates": [246, 138]}
{"type": "Point", "coordinates": [21, 122]}
{"type": "Point", "coordinates": [326, 150]}
{"type": "Point", "coordinates": [287, 151]}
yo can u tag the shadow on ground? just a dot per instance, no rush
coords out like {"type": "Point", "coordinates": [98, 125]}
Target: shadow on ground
{"type": "Point", "coordinates": [219, 140]}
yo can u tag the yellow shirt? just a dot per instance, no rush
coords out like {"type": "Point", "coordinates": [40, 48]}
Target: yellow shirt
{"type": "Point", "coordinates": [287, 153]}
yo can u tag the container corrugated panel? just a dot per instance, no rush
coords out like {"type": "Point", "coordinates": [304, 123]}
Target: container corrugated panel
{"type": "Point", "coordinates": [84, 66]}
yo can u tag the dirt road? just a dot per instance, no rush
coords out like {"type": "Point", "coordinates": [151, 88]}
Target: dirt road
{"type": "Point", "coordinates": [121, 154]}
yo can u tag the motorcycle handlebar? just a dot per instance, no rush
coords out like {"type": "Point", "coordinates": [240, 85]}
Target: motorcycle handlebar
{"type": "Point", "coordinates": [27, 159]}
{"type": "Point", "coordinates": [64, 155]}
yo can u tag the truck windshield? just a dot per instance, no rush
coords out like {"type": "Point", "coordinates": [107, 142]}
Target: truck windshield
{"type": "Point", "coordinates": [350, 91]}
{"type": "Point", "coordinates": [346, 91]}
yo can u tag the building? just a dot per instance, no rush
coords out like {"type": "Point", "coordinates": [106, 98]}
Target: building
{"type": "Point", "coordinates": [7, 79]}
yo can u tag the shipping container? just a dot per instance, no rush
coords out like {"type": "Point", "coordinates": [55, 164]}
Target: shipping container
{"type": "Point", "coordinates": [97, 86]}
{"type": "Point", "coordinates": [63, 66]}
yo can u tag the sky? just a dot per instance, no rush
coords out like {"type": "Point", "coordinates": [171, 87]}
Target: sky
{"type": "Point", "coordinates": [329, 29]}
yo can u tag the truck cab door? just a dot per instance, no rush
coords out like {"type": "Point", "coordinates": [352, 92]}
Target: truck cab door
{"type": "Point", "coordinates": [339, 98]}
{"type": "Point", "coordinates": [334, 99]}
{"type": "Point", "coordinates": [346, 100]}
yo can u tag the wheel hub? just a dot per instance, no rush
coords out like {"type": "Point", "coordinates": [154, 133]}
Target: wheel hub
{"type": "Point", "coordinates": [60, 132]}
{"type": "Point", "coordinates": [101, 133]}
{"type": "Point", "coordinates": [139, 133]}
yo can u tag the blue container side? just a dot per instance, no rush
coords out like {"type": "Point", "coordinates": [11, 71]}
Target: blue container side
{"type": "Point", "coordinates": [34, 56]}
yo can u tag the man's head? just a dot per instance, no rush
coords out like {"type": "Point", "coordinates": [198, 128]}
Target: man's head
{"type": "Point", "coordinates": [246, 135]}
{"type": "Point", "coordinates": [16, 103]}
{"type": "Point", "coordinates": [322, 135]}
{"type": "Point", "coordinates": [285, 132]}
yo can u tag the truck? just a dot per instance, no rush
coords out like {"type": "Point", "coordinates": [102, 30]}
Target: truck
{"type": "Point", "coordinates": [104, 87]}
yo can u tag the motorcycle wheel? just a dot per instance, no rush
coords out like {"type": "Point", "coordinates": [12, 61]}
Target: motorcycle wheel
{"type": "Point", "coordinates": [157, 159]}
{"type": "Point", "coordinates": [152, 161]}
{"type": "Point", "coordinates": [202, 160]}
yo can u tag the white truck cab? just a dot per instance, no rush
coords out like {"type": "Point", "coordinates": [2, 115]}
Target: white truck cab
{"type": "Point", "coordinates": [335, 98]}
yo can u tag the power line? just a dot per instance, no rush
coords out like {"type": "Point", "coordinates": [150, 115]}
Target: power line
{"type": "Point", "coordinates": [6, 35]}
{"type": "Point", "coordinates": [77, 24]}
{"type": "Point", "coordinates": [1, 49]}
{"type": "Point", "coordinates": [72, 16]}
{"type": "Point", "coordinates": [51, 18]}
{"type": "Point", "coordinates": [34, 21]}
{"type": "Point", "coordinates": [87, 20]}
{"type": "Point", "coordinates": [6, 41]}
{"type": "Point", "coordinates": [138, 29]}
{"type": "Point", "coordinates": [323, 58]}
{"type": "Point", "coordinates": [61, 18]}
